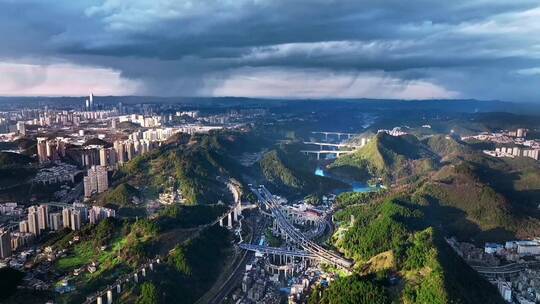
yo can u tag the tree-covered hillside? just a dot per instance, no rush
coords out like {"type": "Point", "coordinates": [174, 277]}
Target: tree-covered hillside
{"type": "Point", "coordinates": [474, 196]}
{"type": "Point", "coordinates": [400, 258]}
{"type": "Point", "coordinates": [288, 171]}
{"type": "Point", "coordinates": [387, 157]}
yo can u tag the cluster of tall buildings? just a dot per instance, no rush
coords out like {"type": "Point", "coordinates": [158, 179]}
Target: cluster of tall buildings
{"type": "Point", "coordinates": [40, 219]}
{"type": "Point", "coordinates": [96, 180]}
{"type": "Point", "coordinates": [138, 143]}
{"type": "Point", "coordinates": [97, 115]}
{"type": "Point", "coordinates": [51, 149]}
{"type": "Point", "coordinates": [126, 150]}
{"type": "Point", "coordinates": [97, 213]}
{"type": "Point", "coordinates": [142, 120]}
{"type": "Point", "coordinates": [61, 118]}
{"type": "Point", "coordinates": [519, 133]}
{"type": "Point", "coordinates": [517, 151]}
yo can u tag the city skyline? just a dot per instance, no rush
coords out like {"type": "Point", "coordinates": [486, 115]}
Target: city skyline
{"type": "Point", "coordinates": [300, 49]}
{"type": "Point", "coordinates": [270, 151]}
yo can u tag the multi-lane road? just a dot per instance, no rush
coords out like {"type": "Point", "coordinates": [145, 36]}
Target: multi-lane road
{"type": "Point", "coordinates": [268, 200]}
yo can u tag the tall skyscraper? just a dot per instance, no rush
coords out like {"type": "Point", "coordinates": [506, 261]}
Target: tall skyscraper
{"type": "Point", "coordinates": [33, 224]}
{"type": "Point", "coordinates": [55, 221]}
{"type": "Point", "coordinates": [21, 128]}
{"type": "Point", "coordinates": [42, 149]}
{"type": "Point", "coordinates": [96, 180]}
{"type": "Point", "coordinates": [103, 159]}
{"type": "Point", "coordinates": [120, 152]}
{"type": "Point", "coordinates": [5, 244]}
{"type": "Point", "coordinates": [66, 218]}
{"type": "Point", "coordinates": [50, 149]}
{"type": "Point", "coordinates": [23, 226]}
{"type": "Point", "coordinates": [43, 217]}
{"type": "Point", "coordinates": [75, 220]}
{"type": "Point", "coordinates": [130, 149]}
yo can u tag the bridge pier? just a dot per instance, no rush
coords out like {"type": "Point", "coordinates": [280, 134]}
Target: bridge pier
{"type": "Point", "coordinates": [109, 296]}
{"type": "Point", "coordinates": [151, 265]}
{"type": "Point", "coordinates": [235, 214]}
{"type": "Point", "coordinates": [221, 222]}
{"type": "Point", "coordinates": [143, 271]}
{"type": "Point", "coordinates": [229, 221]}
{"type": "Point", "coordinates": [99, 300]}
{"type": "Point", "coordinates": [136, 277]}
{"type": "Point", "coordinates": [118, 288]}
{"type": "Point", "coordinates": [239, 208]}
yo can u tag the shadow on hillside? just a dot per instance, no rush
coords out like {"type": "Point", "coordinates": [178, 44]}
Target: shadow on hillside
{"type": "Point", "coordinates": [453, 222]}
{"type": "Point", "coordinates": [461, 281]}
{"type": "Point", "coordinates": [523, 202]}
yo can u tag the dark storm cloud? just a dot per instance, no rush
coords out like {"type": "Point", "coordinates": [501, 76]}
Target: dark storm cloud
{"type": "Point", "coordinates": [196, 47]}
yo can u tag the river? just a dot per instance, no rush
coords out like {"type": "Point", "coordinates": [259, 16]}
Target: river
{"type": "Point", "coordinates": [355, 185]}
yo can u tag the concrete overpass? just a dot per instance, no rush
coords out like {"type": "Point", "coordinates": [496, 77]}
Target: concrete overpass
{"type": "Point", "coordinates": [292, 234]}
{"type": "Point", "coordinates": [277, 251]}
{"type": "Point", "coordinates": [322, 144]}
{"type": "Point", "coordinates": [338, 153]}
{"type": "Point", "coordinates": [339, 134]}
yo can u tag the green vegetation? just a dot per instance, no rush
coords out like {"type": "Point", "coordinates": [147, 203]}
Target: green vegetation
{"type": "Point", "coordinates": [446, 146]}
{"type": "Point", "coordinates": [388, 157]}
{"type": "Point", "coordinates": [192, 267]}
{"type": "Point", "coordinates": [472, 195]}
{"type": "Point", "coordinates": [376, 228]}
{"type": "Point", "coordinates": [276, 172]}
{"type": "Point", "coordinates": [351, 290]}
{"type": "Point", "coordinates": [288, 171]}
{"type": "Point", "coordinates": [15, 169]}
{"type": "Point", "coordinates": [121, 195]}
{"type": "Point", "coordinates": [189, 216]}
{"type": "Point", "coordinates": [477, 199]}
{"type": "Point", "coordinates": [88, 249]}
{"type": "Point", "coordinates": [179, 261]}
{"type": "Point", "coordinates": [148, 295]}
{"type": "Point", "coordinates": [352, 198]}
{"type": "Point", "coordinates": [395, 231]}
{"type": "Point", "coordinates": [197, 165]}
{"type": "Point", "coordinates": [138, 242]}
{"type": "Point", "coordinates": [273, 241]}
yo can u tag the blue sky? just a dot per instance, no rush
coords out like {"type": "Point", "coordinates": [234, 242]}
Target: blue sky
{"type": "Point", "coordinates": [272, 48]}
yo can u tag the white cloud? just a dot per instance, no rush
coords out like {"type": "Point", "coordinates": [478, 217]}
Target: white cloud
{"type": "Point", "coordinates": [316, 83]}
{"type": "Point", "coordinates": [529, 72]}
{"type": "Point", "coordinates": [19, 79]}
